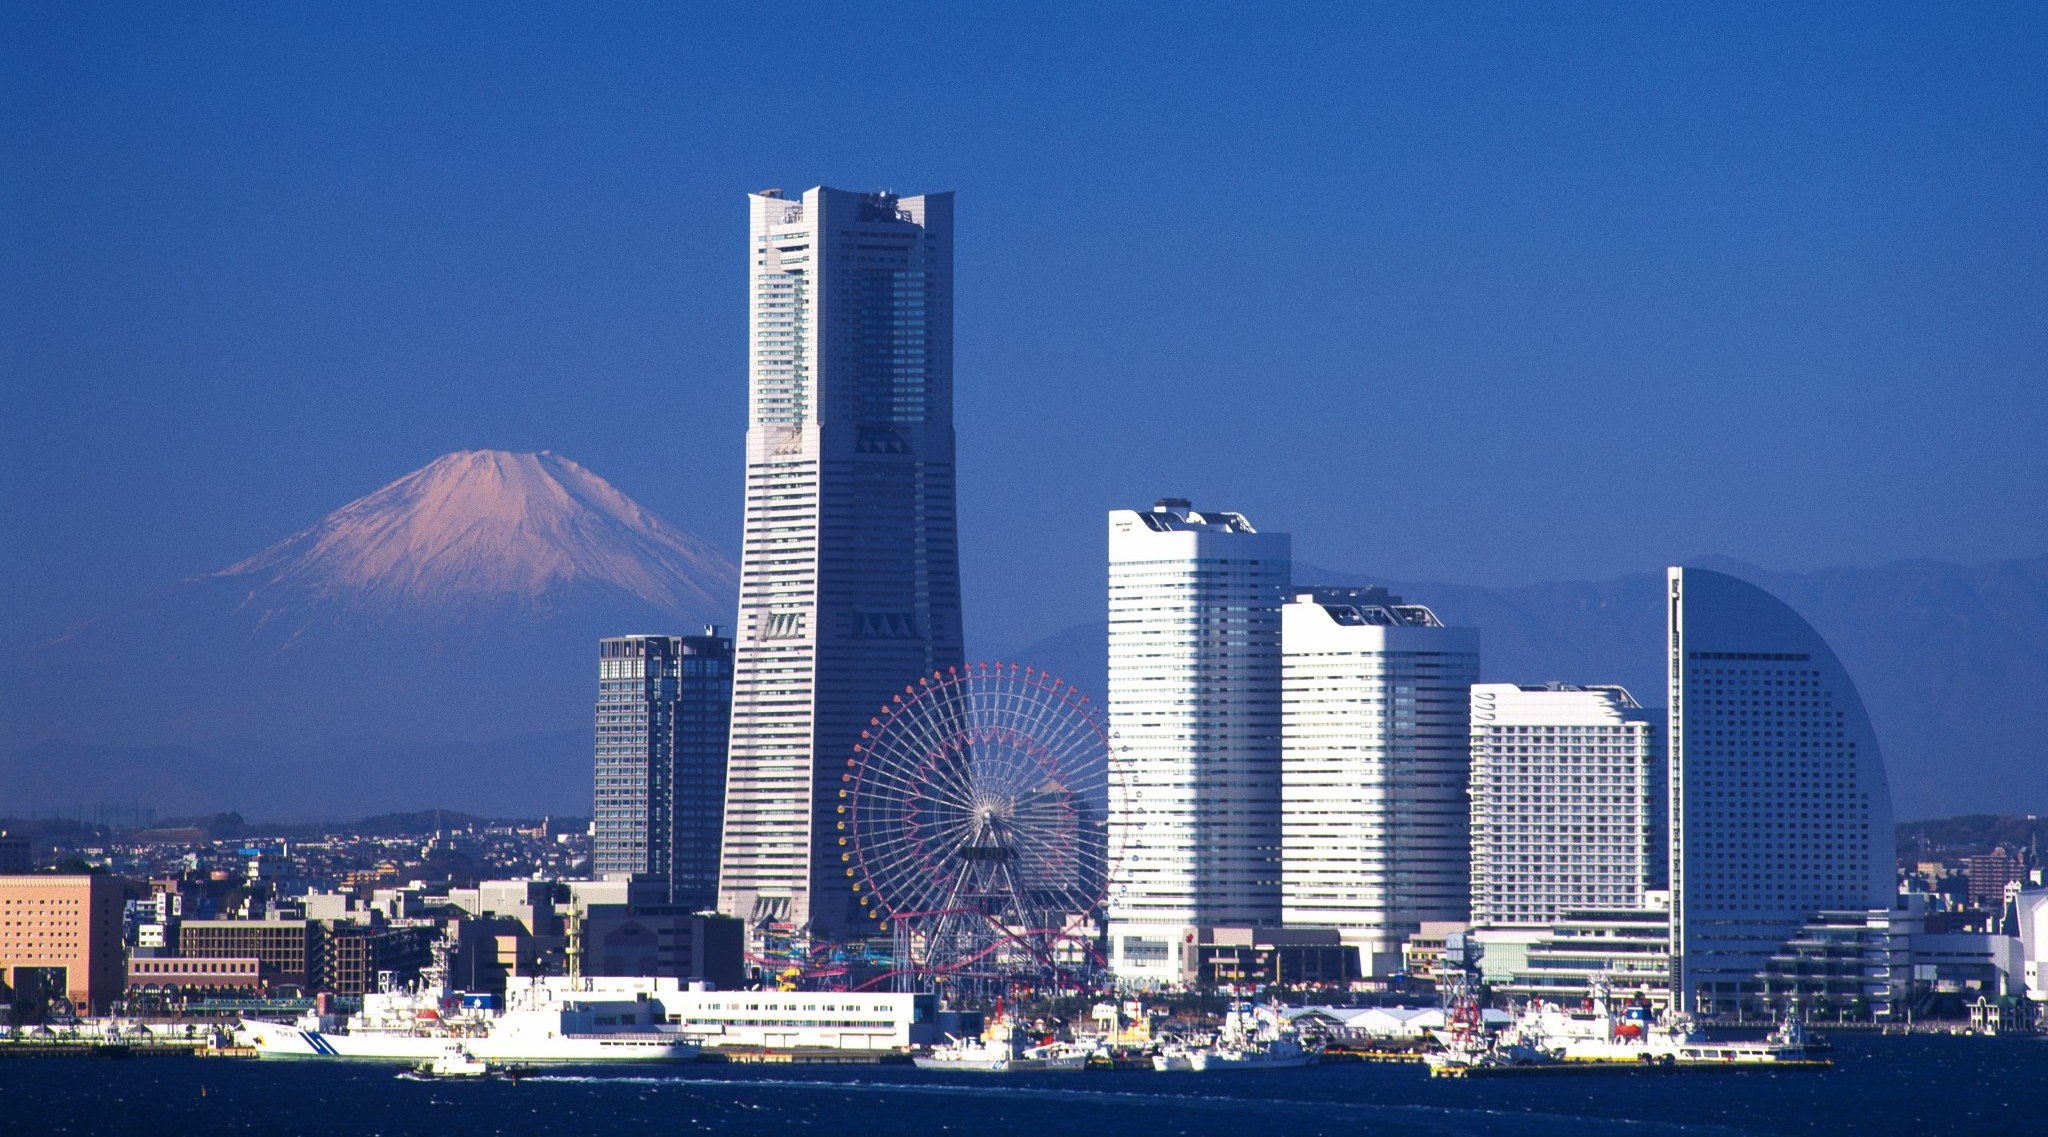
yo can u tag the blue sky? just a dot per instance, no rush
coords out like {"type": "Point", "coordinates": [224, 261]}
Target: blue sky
{"type": "Point", "coordinates": [1492, 294]}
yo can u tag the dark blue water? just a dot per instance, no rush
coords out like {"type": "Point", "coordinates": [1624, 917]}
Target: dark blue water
{"type": "Point", "coordinates": [1976, 1086]}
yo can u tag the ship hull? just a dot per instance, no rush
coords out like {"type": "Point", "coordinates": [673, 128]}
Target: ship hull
{"type": "Point", "coordinates": [1003, 1065]}
{"type": "Point", "coordinates": [284, 1041]}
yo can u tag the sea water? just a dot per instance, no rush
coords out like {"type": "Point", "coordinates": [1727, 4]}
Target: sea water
{"type": "Point", "coordinates": [1984, 1087]}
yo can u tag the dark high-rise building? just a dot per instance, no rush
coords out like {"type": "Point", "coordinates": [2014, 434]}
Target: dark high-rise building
{"type": "Point", "coordinates": [849, 570]}
{"type": "Point", "coordinates": [663, 704]}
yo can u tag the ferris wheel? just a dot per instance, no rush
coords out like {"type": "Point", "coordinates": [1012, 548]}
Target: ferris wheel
{"type": "Point", "coordinates": [975, 820]}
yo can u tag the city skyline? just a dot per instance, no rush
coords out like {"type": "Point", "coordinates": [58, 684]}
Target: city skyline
{"type": "Point", "coordinates": [1421, 714]}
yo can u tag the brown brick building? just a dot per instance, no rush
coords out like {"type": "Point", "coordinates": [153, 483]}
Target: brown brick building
{"type": "Point", "coordinates": [283, 948]}
{"type": "Point", "coordinates": [192, 975]}
{"type": "Point", "coordinates": [312, 955]}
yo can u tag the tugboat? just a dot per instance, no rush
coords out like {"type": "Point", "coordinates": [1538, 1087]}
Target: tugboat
{"type": "Point", "coordinates": [455, 1062]}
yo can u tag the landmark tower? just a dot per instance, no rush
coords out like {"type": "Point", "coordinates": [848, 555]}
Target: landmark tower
{"type": "Point", "coordinates": [849, 569]}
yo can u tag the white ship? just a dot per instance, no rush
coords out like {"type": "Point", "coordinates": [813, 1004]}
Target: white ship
{"type": "Point", "coordinates": [1248, 1040]}
{"type": "Point", "coordinates": [1174, 1057]}
{"type": "Point", "coordinates": [1003, 1050]}
{"type": "Point", "coordinates": [544, 1020]}
{"type": "Point", "coordinates": [1608, 1031]}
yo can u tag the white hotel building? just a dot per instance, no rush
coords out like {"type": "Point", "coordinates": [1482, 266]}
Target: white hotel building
{"type": "Point", "coordinates": [1780, 809]}
{"type": "Point", "coordinates": [1374, 728]}
{"type": "Point", "coordinates": [1194, 718]}
{"type": "Point", "coordinates": [1568, 803]}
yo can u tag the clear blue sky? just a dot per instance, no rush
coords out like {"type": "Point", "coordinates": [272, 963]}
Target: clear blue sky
{"type": "Point", "coordinates": [1505, 293]}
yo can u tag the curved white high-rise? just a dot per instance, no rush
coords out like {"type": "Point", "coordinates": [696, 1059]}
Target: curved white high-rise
{"type": "Point", "coordinates": [1779, 804]}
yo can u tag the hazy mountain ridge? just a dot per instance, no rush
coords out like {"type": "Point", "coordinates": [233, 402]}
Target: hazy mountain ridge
{"type": "Point", "coordinates": [433, 643]}
{"type": "Point", "coordinates": [432, 640]}
{"type": "Point", "coordinates": [1950, 659]}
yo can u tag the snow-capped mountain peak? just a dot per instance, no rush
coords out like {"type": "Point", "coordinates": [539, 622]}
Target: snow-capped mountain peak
{"type": "Point", "coordinates": [490, 525]}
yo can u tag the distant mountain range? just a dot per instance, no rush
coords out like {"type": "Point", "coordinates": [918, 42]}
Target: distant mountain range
{"type": "Point", "coordinates": [432, 644]}
{"type": "Point", "coordinates": [1952, 661]}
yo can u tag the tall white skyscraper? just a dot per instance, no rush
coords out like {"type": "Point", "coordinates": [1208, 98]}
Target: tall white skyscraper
{"type": "Point", "coordinates": [1780, 808]}
{"type": "Point", "coordinates": [1374, 697]}
{"type": "Point", "coordinates": [849, 569]}
{"type": "Point", "coordinates": [1568, 801]}
{"type": "Point", "coordinates": [1194, 719]}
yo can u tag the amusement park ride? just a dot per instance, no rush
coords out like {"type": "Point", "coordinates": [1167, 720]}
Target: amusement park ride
{"type": "Point", "coordinates": [973, 827]}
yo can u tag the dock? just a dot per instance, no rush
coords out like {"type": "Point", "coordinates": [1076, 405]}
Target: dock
{"type": "Point", "coordinates": [1573, 1069]}
{"type": "Point", "coordinates": [1407, 1057]}
{"type": "Point", "coordinates": [101, 1048]}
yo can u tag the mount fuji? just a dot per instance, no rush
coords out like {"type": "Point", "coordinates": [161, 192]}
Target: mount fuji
{"type": "Point", "coordinates": [430, 642]}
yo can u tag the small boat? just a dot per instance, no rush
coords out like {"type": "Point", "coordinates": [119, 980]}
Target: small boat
{"type": "Point", "coordinates": [455, 1062]}
{"type": "Point", "coordinates": [1174, 1057]}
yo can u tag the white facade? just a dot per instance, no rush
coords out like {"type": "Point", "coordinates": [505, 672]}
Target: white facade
{"type": "Point", "coordinates": [1568, 799]}
{"type": "Point", "coordinates": [1194, 719]}
{"type": "Point", "coordinates": [1780, 808]}
{"type": "Point", "coordinates": [857, 1020]}
{"type": "Point", "coordinates": [1373, 835]}
{"type": "Point", "coordinates": [837, 1020]}
{"type": "Point", "coordinates": [849, 568]}
{"type": "Point", "coordinates": [2031, 908]}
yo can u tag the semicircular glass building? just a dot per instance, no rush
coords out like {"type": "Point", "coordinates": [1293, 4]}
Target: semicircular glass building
{"type": "Point", "coordinates": [1780, 808]}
